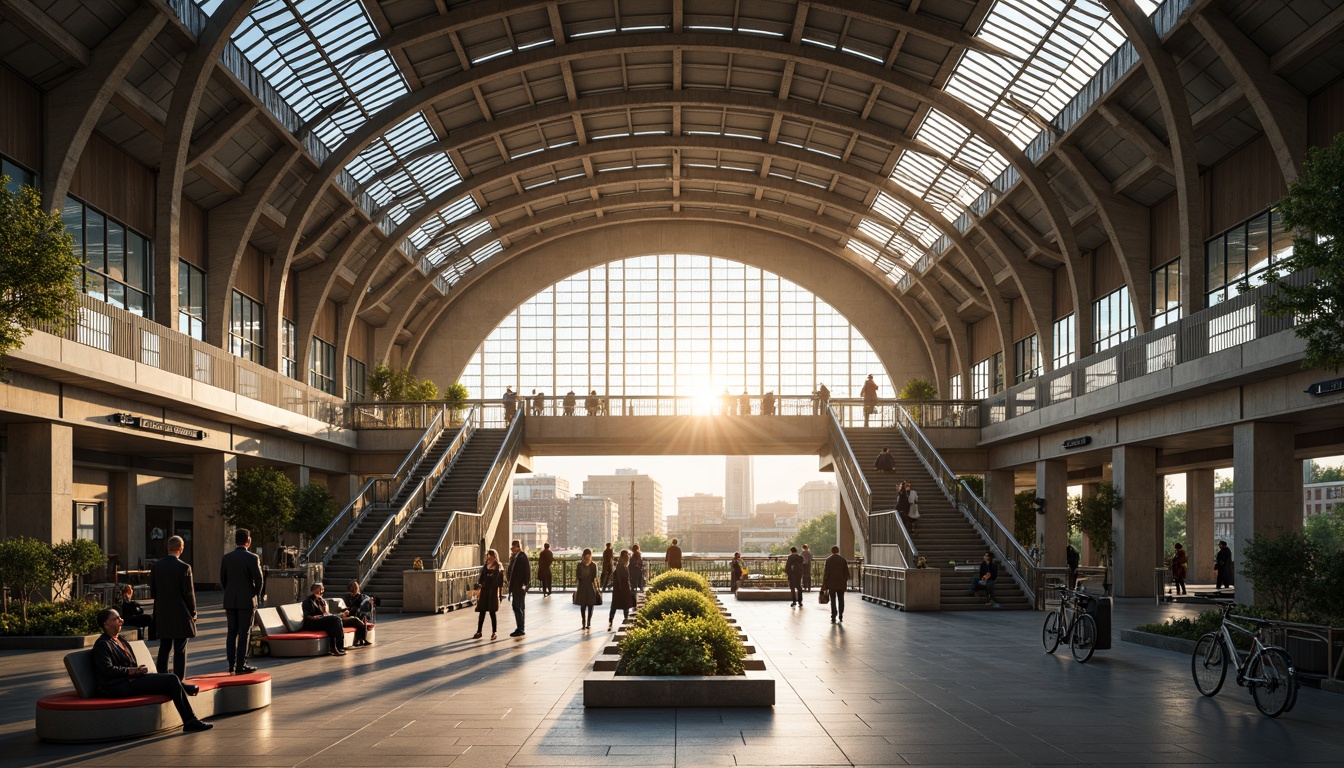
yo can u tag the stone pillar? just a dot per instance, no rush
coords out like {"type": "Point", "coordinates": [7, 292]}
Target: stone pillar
{"type": "Point", "coordinates": [503, 533]}
{"type": "Point", "coordinates": [210, 476]}
{"type": "Point", "coordinates": [844, 529]}
{"type": "Point", "coordinates": [1199, 543]}
{"type": "Point", "coordinates": [39, 488]}
{"type": "Point", "coordinates": [1000, 486]}
{"type": "Point", "coordinates": [1088, 554]}
{"type": "Point", "coordinates": [1267, 493]}
{"type": "Point", "coordinates": [1052, 532]}
{"type": "Point", "coordinates": [127, 519]}
{"type": "Point", "coordinates": [343, 488]}
{"type": "Point", "coordinates": [1138, 522]}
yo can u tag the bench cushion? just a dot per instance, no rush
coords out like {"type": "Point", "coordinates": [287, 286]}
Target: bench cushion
{"type": "Point", "coordinates": [293, 616]}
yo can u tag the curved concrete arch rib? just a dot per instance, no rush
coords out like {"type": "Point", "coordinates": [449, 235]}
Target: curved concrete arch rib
{"type": "Point", "coordinates": [416, 100]}
{"type": "Point", "coordinates": [570, 250]}
{"type": "Point", "coordinates": [865, 11]}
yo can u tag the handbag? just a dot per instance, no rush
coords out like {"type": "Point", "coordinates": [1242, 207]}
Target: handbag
{"type": "Point", "coordinates": [599, 599]}
{"type": "Point", "coordinates": [914, 511]}
{"type": "Point", "coordinates": [824, 596]}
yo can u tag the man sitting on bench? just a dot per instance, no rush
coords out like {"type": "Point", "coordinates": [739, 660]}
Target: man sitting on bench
{"type": "Point", "coordinates": [119, 676]}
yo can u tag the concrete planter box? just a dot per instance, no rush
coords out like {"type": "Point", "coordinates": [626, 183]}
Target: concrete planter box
{"type": "Point", "coordinates": [751, 689]}
{"type": "Point", "coordinates": [46, 643]}
{"type": "Point", "coordinates": [1178, 644]}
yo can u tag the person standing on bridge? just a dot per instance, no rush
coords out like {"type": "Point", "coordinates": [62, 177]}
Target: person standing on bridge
{"type": "Point", "coordinates": [768, 404]}
{"type": "Point", "coordinates": [744, 404]}
{"type": "Point", "coordinates": [591, 403]}
{"type": "Point", "coordinates": [822, 401]}
{"type": "Point", "coordinates": [510, 405]}
{"type": "Point", "coordinates": [869, 395]}
{"type": "Point", "coordinates": [570, 401]}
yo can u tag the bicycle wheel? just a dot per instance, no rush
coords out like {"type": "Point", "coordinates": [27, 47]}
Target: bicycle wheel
{"type": "Point", "coordinates": [1051, 631]}
{"type": "Point", "coordinates": [1272, 682]}
{"type": "Point", "coordinates": [1209, 664]}
{"type": "Point", "coordinates": [1083, 638]}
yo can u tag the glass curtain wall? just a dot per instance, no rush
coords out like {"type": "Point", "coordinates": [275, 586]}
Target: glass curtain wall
{"type": "Point", "coordinates": [675, 325]}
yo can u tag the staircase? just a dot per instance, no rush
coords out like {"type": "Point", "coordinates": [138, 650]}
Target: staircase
{"type": "Point", "coordinates": [340, 570]}
{"type": "Point", "coordinates": [458, 492]}
{"type": "Point", "coordinates": [942, 533]}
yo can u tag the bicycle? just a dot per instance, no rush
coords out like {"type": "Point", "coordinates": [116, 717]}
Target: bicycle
{"type": "Point", "coordinates": [1267, 669]}
{"type": "Point", "coordinates": [1072, 621]}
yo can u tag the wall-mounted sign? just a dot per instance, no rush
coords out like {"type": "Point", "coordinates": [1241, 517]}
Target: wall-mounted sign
{"type": "Point", "coordinates": [1078, 442]}
{"type": "Point", "coordinates": [159, 427]}
{"type": "Point", "coordinates": [1326, 387]}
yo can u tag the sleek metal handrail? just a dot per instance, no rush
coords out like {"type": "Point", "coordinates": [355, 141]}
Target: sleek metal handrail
{"type": "Point", "coordinates": [887, 528]}
{"type": "Point", "coordinates": [1004, 545]}
{"type": "Point", "coordinates": [497, 482]}
{"type": "Point", "coordinates": [392, 529]}
{"type": "Point", "coordinates": [848, 472]}
{"type": "Point", "coordinates": [388, 488]}
{"type": "Point", "coordinates": [335, 534]}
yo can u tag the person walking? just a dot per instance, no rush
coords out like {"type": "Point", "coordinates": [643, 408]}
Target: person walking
{"type": "Point", "coordinates": [544, 561]}
{"type": "Point", "coordinates": [736, 570]}
{"type": "Point", "coordinates": [489, 587]}
{"type": "Point", "coordinates": [240, 574]}
{"type": "Point", "coordinates": [585, 588]}
{"type": "Point", "coordinates": [118, 675]}
{"type": "Point", "coordinates": [903, 503]}
{"type": "Point", "coordinates": [1179, 560]}
{"type": "Point", "coordinates": [174, 595]}
{"type": "Point", "coordinates": [1222, 566]}
{"type": "Point", "coordinates": [510, 405]}
{"type": "Point", "coordinates": [823, 399]}
{"type": "Point", "coordinates": [673, 555]}
{"type": "Point", "coordinates": [621, 596]}
{"type": "Point", "coordinates": [569, 402]}
{"type": "Point", "coordinates": [608, 565]}
{"type": "Point", "coordinates": [768, 404]}
{"type": "Point", "coordinates": [807, 568]}
{"type": "Point", "coordinates": [1072, 559]}
{"type": "Point", "coordinates": [869, 395]}
{"type": "Point", "coordinates": [793, 570]}
{"type": "Point", "coordinates": [636, 569]}
{"type": "Point", "coordinates": [520, 576]}
{"type": "Point", "coordinates": [834, 582]}
{"type": "Point", "coordinates": [318, 618]}
{"type": "Point", "coordinates": [912, 499]}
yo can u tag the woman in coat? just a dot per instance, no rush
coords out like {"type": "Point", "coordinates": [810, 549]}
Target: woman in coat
{"type": "Point", "coordinates": [585, 588]}
{"type": "Point", "coordinates": [636, 569]}
{"type": "Point", "coordinates": [488, 586]}
{"type": "Point", "coordinates": [1178, 566]}
{"type": "Point", "coordinates": [621, 596]}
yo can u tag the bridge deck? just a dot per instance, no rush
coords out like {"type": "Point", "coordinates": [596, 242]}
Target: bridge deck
{"type": "Point", "coordinates": [886, 688]}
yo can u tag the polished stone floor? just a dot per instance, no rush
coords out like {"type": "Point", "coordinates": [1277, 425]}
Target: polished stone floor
{"type": "Point", "coordinates": [884, 688]}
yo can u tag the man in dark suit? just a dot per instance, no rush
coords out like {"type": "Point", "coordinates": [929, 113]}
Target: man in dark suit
{"type": "Point", "coordinates": [793, 569]}
{"type": "Point", "coordinates": [835, 580]}
{"type": "Point", "coordinates": [240, 573]}
{"type": "Point", "coordinates": [520, 576]}
{"type": "Point", "coordinates": [174, 607]}
{"type": "Point", "coordinates": [673, 555]}
{"type": "Point", "coordinates": [544, 561]}
{"type": "Point", "coordinates": [120, 676]}
{"type": "Point", "coordinates": [608, 565]}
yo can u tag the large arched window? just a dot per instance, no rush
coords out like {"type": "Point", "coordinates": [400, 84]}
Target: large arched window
{"type": "Point", "coordinates": [674, 324]}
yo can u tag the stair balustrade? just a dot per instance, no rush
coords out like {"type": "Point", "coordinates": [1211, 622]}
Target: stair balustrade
{"type": "Point", "coordinates": [466, 529]}
{"type": "Point", "coordinates": [852, 482]}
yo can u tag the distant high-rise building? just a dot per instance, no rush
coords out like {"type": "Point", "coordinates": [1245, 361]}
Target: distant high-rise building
{"type": "Point", "coordinates": [816, 498]}
{"type": "Point", "coordinates": [697, 510]}
{"type": "Point", "coordinates": [783, 514]}
{"type": "Point", "coordinates": [646, 502]}
{"type": "Point", "coordinates": [593, 521]}
{"type": "Point", "coordinates": [739, 498]}
{"type": "Point", "coordinates": [543, 499]}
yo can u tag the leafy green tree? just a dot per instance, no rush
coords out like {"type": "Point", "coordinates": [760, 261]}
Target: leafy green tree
{"type": "Point", "coordinates": [1314, 209]}
{"type": "Point", "coordinates": [1281, 567]}
{"type": "Point", "coordinates": [1092, 516]}
{"type": "Point", "coordinates": [819, 533]}
{"type": "Point", "coordinates": [25, 567]}
{"type": "Point", "coordinates": [919, 390]}
{"type": "Point", "coordinates": [1024, 518]}
{"type": "Point", "coordinates": [976, 483]}
{"type": "Point", "coordinates": [1326, 529]}
{"type": "Point", "coordinates": [1173, 527]}
{"type": "Point", "coordinates": [1320, 474]}
{"type": "Point", "coordinates": [38, 268]}
{"type": "Point", "coordinates": [314, 509]}
{"type": "Point", "coordinates": [70, 560]}
{"type": "Point", "coordinates": [1224, 485]}
{"type": "Point", "coordinates": [399, 385]}
{"type": "Point", "coordinates": [456, 395]}
{"type": "Point", "coordinates": [1325, 596]}
{"type": "Point", "coordinates": [261, 500]}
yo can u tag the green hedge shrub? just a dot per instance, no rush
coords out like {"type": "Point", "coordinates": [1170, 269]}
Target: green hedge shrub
{"type": "Point", "coordinates": [689, 602]}
{"type": "Point", "coordinates": [678, 645]}
{"type": "Point", "coordinates": [678, 578]}
{"type": "Point", "coordinates": [75, 617]}
{"type": "Point", "coordinates": [1208, 621]}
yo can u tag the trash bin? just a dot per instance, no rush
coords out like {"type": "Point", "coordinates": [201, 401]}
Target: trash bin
{"type": "Point", "coordinates": [1100, 608]}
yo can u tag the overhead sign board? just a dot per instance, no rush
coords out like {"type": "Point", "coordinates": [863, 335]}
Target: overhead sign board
{"type": "Point", "coordinates": [1078, 442]}
{"type": "Point", "coordinates": [1326, 387]}
{"type": "Point", "coordinates": [159, 427]}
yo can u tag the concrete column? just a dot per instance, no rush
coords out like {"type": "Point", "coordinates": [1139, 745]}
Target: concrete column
{"type": "Point", "coordinates": [1199, 544]}
{"type": "Point", "coordinates": [127, 518]}
{"type": "Point", "coordinates": [1138, 522]}
{"type": "Point", "coordinates": [503, 533]}
{"type": "Point", "coordinates": [844, 529]}
{"type": "Point", "coordinates": [343, 488]}
{"type": "Point", "coordinates": [1052, 532]}
{"type": "Point", "coordinates": [39, 488]}
{"type": "Point", "coordinates": [1267, 493]}
{"type": "Point", "coordinates": [210, 476]}
{"type": "Point", "coordinates": [1000, 486]}
{"type": "Point", "coordinates": [298, 475]}
{"type": "Point", "coordinates": [1088, 555]}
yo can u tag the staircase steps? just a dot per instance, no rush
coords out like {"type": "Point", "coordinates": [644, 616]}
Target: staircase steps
{"type": "Point", "coordinates": [942, 534]}
{"type": "Point", "coordinates": [457, 493]}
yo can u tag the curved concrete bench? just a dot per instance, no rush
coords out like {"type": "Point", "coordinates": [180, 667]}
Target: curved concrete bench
{"type": "Point", "coordinates": [84, 715]}
{"type": "Point", "coordinates": [281, 631]}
